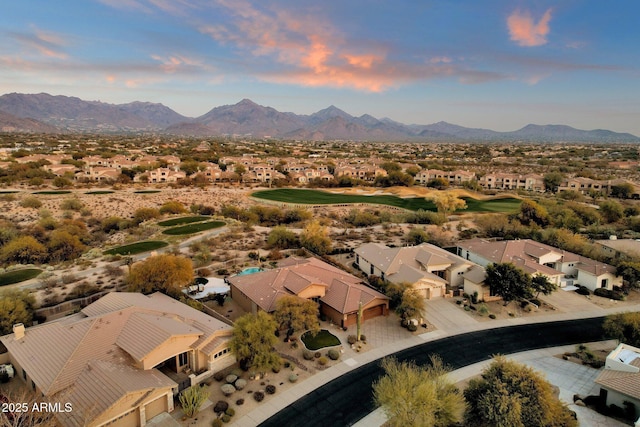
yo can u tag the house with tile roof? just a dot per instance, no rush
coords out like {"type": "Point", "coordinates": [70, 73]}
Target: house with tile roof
{"type": "Point", "coordinates": [338, 293]}
{"type": "Point", "coordinates": [620, 380]}
{"type": "Point", "coordinates": [428, 268]}
{"type": "Point", "coordinates": [561, 267]}
{"type": "Point", "coordinates": [121, 359]}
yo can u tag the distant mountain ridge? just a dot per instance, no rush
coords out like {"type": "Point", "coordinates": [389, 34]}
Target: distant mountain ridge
{"type": "Point", "coordinates": [71, 114]}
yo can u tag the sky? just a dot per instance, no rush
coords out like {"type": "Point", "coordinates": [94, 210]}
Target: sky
{"type": "Point", "coordinates": [495, 64]}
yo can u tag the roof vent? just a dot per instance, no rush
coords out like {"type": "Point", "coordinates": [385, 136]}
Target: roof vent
{"type": "Point", "coordinates": [18, 331]}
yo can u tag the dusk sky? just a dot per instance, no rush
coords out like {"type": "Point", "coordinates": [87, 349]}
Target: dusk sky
{"type": "Point", "coordinates": [497, 64]}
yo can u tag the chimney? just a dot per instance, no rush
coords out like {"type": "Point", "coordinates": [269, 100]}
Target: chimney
{"type": "Point", "coordinates": [18, 331]}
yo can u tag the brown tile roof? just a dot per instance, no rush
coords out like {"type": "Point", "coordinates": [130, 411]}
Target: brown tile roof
{"type": "Point", "coordinates": [344, 291]}
{"type": "Point", "coordinates": [623, 382]}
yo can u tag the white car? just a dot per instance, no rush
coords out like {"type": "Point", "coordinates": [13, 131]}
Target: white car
{"type": "Point", "coordinates": [8, 369]}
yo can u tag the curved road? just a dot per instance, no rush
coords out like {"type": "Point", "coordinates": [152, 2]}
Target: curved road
{"type": "Point", "coordinates": [347, 399]}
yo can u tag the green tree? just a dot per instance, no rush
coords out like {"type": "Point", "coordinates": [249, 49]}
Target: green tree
{"type": "Point", "coordinates": [438, 183]}
{"type": "Point", "coordinates": [418, 396]}
{"type": "Point", "coordinates": [611, 211]}
{"type": "Point", "coordinates": [145, 214]}
{"type": "Point", "coordinates": [508, 281]}
{"type": "Point", "coordinates": [295, 314]}
{"type": "Point", "coordinates": [316, 238]}
{"type": "Point", "coordinates": [239, 170]}
{"type": "Point", "coordinates": [23, 250]}
{"type": "Point", "coordinates": [630, 271]}
{"type": "Point", "coordinates": [447, 202]}
{"type": "Point", "coordinates": [16, 306]}
{"type": "Point", "coordinates": [622, 191]}
{"type": "Point", "coordinates": [253, 341]}
{"type": "Point", "coordinates": [531, 212]}
{"type": "Point", "coordinates": [166, 273]}
{"type": "Point", "coordinates": [541, 284]}
{"type": "Point", "coordinates": [281, 238]}
{"type": "Point", "coordinates": [417, 235]}
{"type": "Point", "coordinates": [64, 246]}
{"type": "Point", "coordinates": [61, 182]}
{"type": "Point", "coordinates": [510, 394]}
{"type": "Point", "coordinates": [411, 305]}
{"type": "Point", "coordinates": [625, 327]}
{"type": "Point", "coordinates": [552, 181]}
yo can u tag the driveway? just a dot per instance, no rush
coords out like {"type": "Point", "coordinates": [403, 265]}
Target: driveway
{"type": "Point", "coordinates": [570, 302]}
{"type": "Point", "coordinates": [448, 317]}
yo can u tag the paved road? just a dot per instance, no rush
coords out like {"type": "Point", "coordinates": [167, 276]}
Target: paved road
{"type": "Point", "coordinates": [347, 399]}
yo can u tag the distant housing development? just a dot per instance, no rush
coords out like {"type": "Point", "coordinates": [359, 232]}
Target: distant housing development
{"type": "Point", "coordinates": [120, 360]}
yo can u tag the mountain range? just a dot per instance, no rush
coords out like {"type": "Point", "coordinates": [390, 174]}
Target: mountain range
{"type": "Point", "coordinates": [50, 114]}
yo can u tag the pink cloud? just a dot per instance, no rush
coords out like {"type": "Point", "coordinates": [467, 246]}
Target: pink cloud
{"type": "Point", "coordinates": [525, 31]}
{"type": "Point", "coordinates": [45, 43]}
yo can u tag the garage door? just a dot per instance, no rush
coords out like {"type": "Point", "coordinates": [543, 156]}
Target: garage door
{"type": "Point", "coordinates": [372, 312]}
{"type": "Point", "coordinates": [132, 419]}
{"type": "Point", "coordinates": [351, 320]}
{"type": "Point", "coordinates": [156, 407]}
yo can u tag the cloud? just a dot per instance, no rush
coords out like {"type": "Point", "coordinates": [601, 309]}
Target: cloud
{"type": "Point", "coordinates": [45, 43]}
{"type": "Point", "coordinates": [525, 31]}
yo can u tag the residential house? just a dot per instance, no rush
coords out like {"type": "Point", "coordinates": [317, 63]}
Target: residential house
{"type": "Point", "coordinates": [120, 360]}
{"type": "Point", "coordinates": [561, 267]}
{"type": "Point", "coordinates": [428, 268]}
{"type": "Point", "coordinates": [98, 173]}
{"type": "Point", "coordinates": [338, 293]}
{"type": "Point", "coordinates": [620, 248]}
{"type": "Point", "coordinates": [620, 380]}
{"type": "Point", "coordinates": [453, 177]}
{"type": "Point", "coordinates": [163, 175]}
{"type": "Point", "coordinates": [512, 181]}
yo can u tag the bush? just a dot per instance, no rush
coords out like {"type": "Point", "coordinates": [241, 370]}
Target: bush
{"type": "Point", "coordinates": [606, 293]}
{"type": "Point", "coordinates": [351, 339]}
{"type": "Point", "coordinates": [317, 354]}
{"type": "Point", "coordinates": [307, 354]}
{"type": "Point", "coordinates": [583, 291]}
{"type": "Point", "coordinates": [323, 360]}
{"type": "Point", "coordinates": [220, 407]}
{"type": "Point", "coordinates": [411, 327]}
{"type": "Point", "coordinates": [258, 396]}
{"type": "Point", "coordinates": [293, 378]}
{"type": "Point", "coordinates": [231, 378]}
{"type": "Point", "coordinates": [240, 402]}
{"type": "Point", "coordinates": [231, 412]}
{"type": "Point", "coordinates": [223, 272]}
{"type": "Point", "coordinates": [333, 354]}
{"type": "Point", "coordinates": [270, 389]}
{"type": "Point", "coordinates": [225, 418]}
{"type": "Point", "coordinates": [240, 384]}
{"type": "Point", "coordinates": [492, 316]}
{"type": "Point", "coordinates": [218, 376]}
{"type": "Point", "coordinates": [227, 389]}
{"type": "Point", "coordinates": [216, 423]}
{"type": "Point", "coordinates": [363, 337]}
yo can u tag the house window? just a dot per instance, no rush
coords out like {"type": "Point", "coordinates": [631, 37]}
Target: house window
{"type": "Point", "coordinates": [183, 359]}
{"type": "Point", "coordinates": [604, 283]}
{"type": "Point", "coordinates": [24, 374]}
{"type": "Point", "coordinates": [371, 269]}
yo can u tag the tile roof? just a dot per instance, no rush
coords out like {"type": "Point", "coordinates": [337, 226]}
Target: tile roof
{"type": "Point", "coordinates": [344, 291]}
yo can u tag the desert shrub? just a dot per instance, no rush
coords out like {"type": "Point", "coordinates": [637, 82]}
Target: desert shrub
{"type": "Point", "coordinates": [231, 378]}
{"type": "Point", "coordinates": [270, 389]}
{"type": "Point", "coordinates": [31, 202]}
{"type": "Point", "coordinates": [218, 376]}
{"type": "Point", "coordinates": [323, 361]}
{"type": "Point", "coordinates": [317, 354]}
{"type": "Point", "coordinates": [333, 354]}
{"type": "Point", "coordinates": [275, 369]}
{"type": "Point", "coordinates": [583, 291]}
{"type": "Point", "coordinates": [363, 337]}
{"type": "Point", "coordinates": [351, 339]}
{"type": "Point", "coordinates": [293, 378]}
{"type": "Point", "coordinates": [71, 204]}
{"type": "Point", "coordinates": [231, 412]}
{"type": "Point", "coordinates": [240, 402]}
{"type": "Point", "coordinates": [606, 293]}
{"type": "Point", "coordinates": [411, 327]}
{"type": "Point", "coordinates": [492, 316]}
{"type": "Point", "coordinates": [483, 310]}
{"type": "Point", "coordinates": [307, 354]}
{"type": "Point", "coordinates": [220, 406]}
{"type": "Point", "coordinates": [192, 399]}
{"type": "Point", "coordinates": [240, 384]}
{"type": "Point", "coordinates": [225, 418]}
{"type": "Point", "coordinates": [216, 423]}
{"type": "Point", "coordinates": [258, 396]}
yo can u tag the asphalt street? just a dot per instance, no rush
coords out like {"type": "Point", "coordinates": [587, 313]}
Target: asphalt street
{"type": "Point", "coordinates": [347, 399]}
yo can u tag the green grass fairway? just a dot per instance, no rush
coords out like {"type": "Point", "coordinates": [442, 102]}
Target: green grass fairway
{"type": "Point", "coordinates": [146, 191]}
{"type": "Point", "coordinates": [193, 228]}
{"type": "Point", "coordinates": [323, 339]}
{"type": "Point", "coordinates": [184, 220]}
{"type": "Point", "coordinates": [53, 192]}
{"type": "Point", "coordinates": [100, 192]}
{"type": "Point", "coordinates": [316, 197]}
{"type": "Point", "coordinates": [505, 205]}
{"type": "Point", "coordinates": [136, 248]}
{"type": "Point", "coordinates": [18, 276]}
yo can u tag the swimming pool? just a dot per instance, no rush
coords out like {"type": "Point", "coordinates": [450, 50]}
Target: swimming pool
{"type": "Point", "coordinates": [249, 270]}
